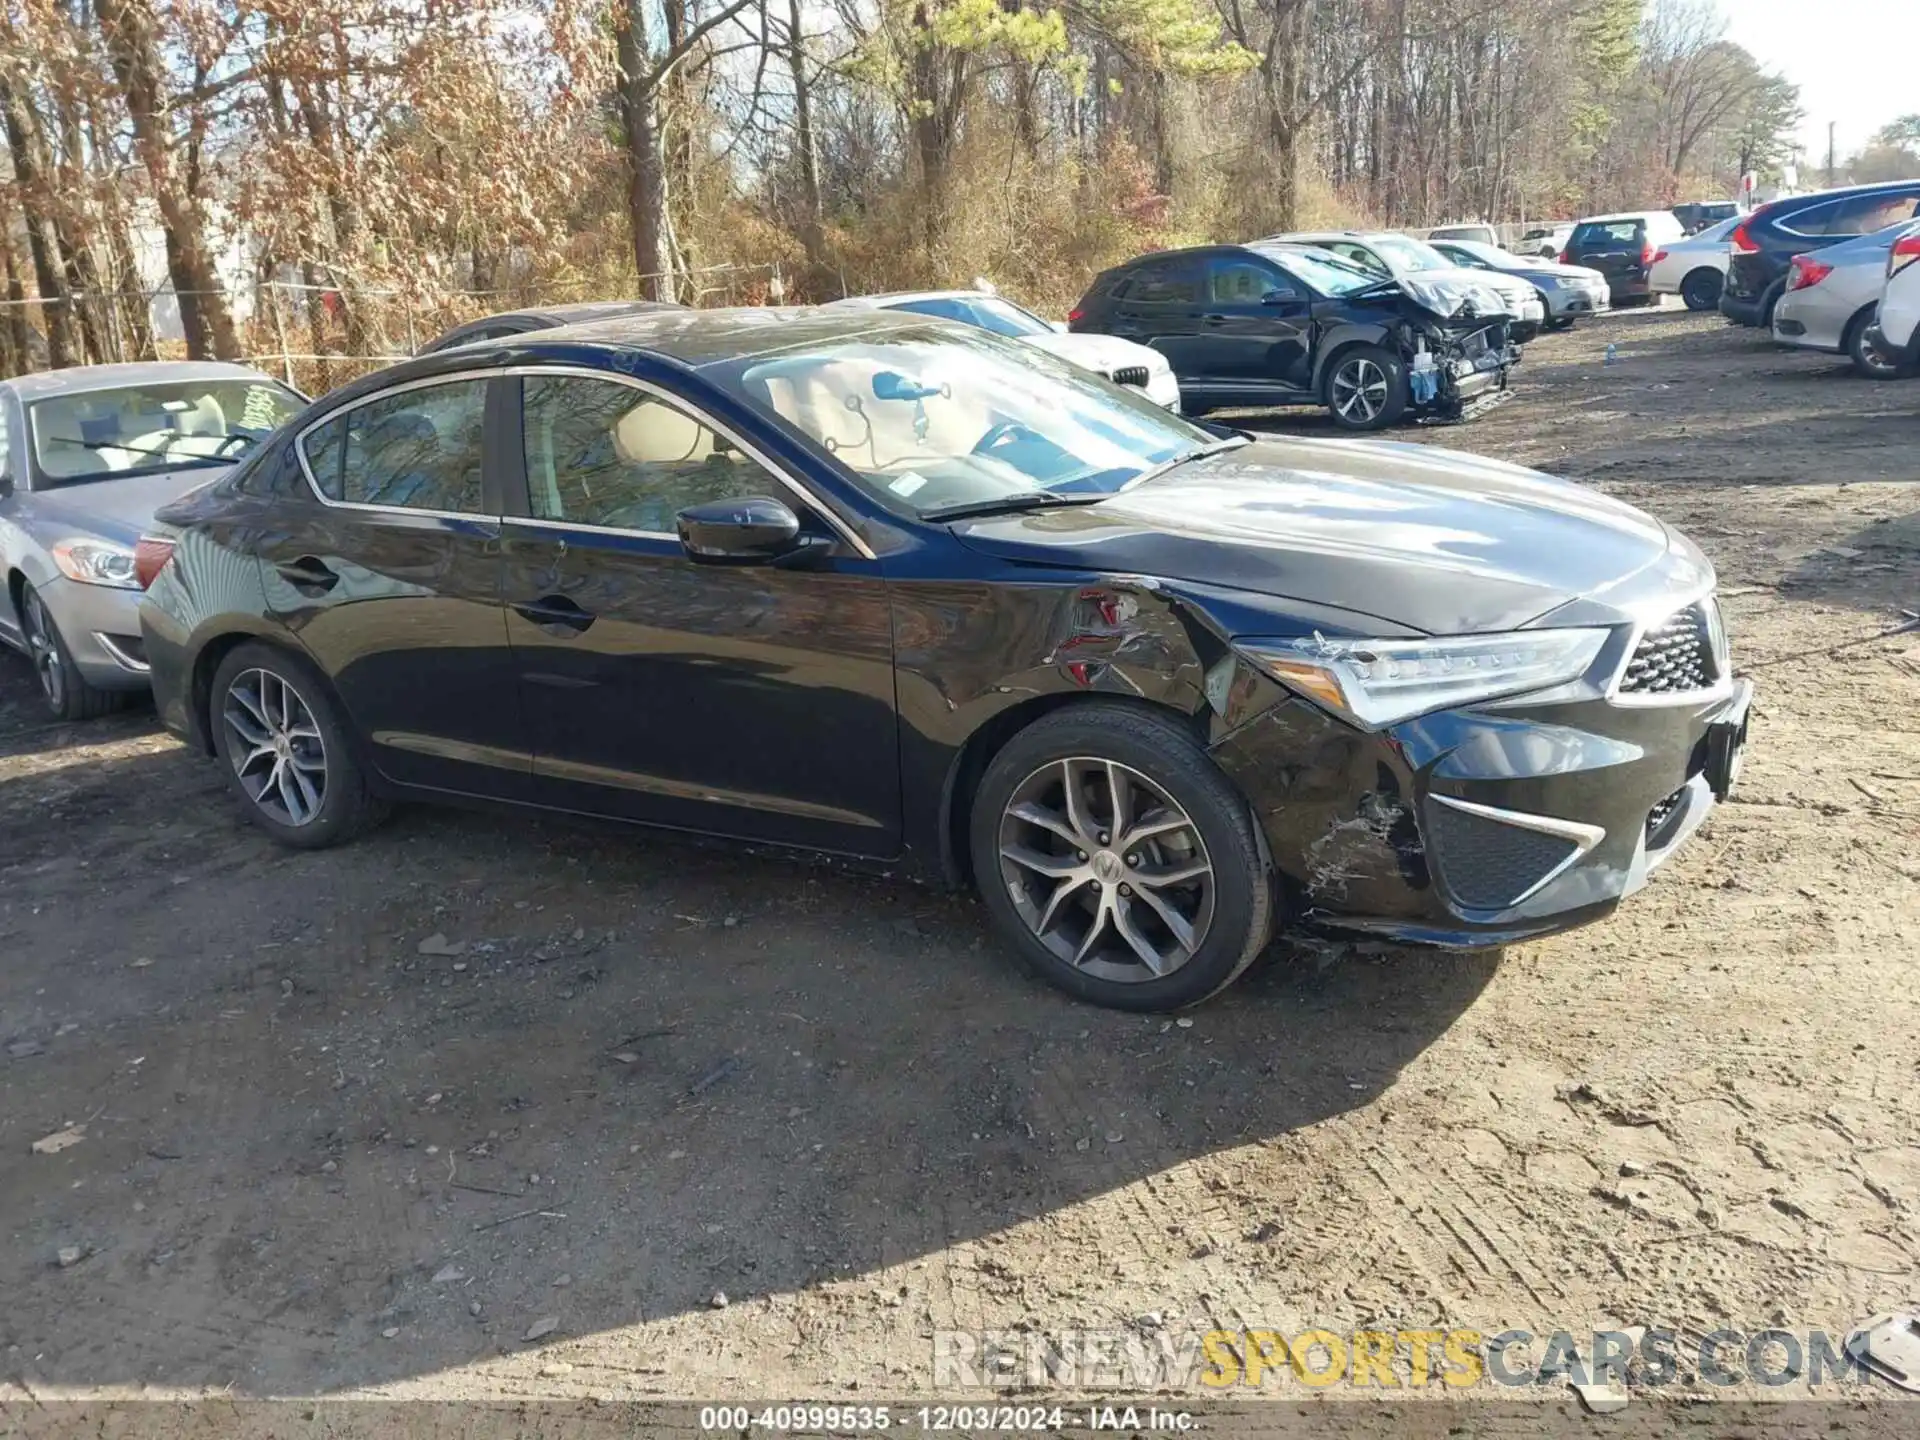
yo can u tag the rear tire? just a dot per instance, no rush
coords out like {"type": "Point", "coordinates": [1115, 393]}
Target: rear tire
{"type": "Point", "coordinates": [287, 750]}
{"type": "Point", "coordinates": [1868, 359]}
{"type": "Point", "coordinates": [1371, 384]}
{"type": "Point", "coordinates": [1768, 301]}
{"type": "Point", "coordinates": [67, 692]}
{"type": "Point", "coordinates": [1193, 888]}
{"type": "Point", "coordinates": [1701, 289]}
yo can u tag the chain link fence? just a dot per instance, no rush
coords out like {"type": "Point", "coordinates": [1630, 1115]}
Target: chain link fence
{"type": "Point", "coordinates": [317, 334]}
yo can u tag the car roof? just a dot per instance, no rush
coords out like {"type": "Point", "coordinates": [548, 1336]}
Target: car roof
{"type": "Point", "coordinates": [1309, 236]}
{"type": "Point", "coordinates": [1625, 215]}
{"type": "Point", "coordinates": [575, 312]}
{"type": "Point", "coordinates": [903, 297]}
{"type": "Point", "coordinates": [77, 379]}
{"type": "Point", "coordinates": [1840, 192]}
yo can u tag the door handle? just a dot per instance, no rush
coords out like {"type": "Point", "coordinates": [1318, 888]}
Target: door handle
{"type": "Point", "coordinates": [307, 573]}
{"type": "Point", "coordinates": [1213, 319]}
{"type": "Point", "coordinates": [555, 612]}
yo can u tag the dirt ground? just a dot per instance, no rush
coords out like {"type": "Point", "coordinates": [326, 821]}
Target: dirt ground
{"type": "Point", "coordinates": [317, 1160]}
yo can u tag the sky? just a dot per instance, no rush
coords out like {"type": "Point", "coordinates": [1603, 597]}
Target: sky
{"type": "Point", "coordinates": [1852, 59]}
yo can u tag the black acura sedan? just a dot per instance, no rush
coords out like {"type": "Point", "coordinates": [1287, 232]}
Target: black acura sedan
{"type": "Point", "coordinates": [910, 593]}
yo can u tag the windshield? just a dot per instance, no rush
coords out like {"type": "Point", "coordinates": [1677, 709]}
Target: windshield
{"type": "Point", "coordinates": [931, 419]}
{"type": "Point", "coordinates": [1324, 271]}
{"type": "Point", "coordinates": [1003, 317]}
{"type": "Point", "coordinates": [142, 429]}
{"type": "Point", "coordinates": [988, 312]}
{"type": "Point", "coordinates": [1404, 256]}
{"type": "Point", "coordinates": [1485, 254]}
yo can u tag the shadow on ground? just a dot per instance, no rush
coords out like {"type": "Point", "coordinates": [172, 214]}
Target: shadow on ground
{"type": "Point", "coordinates": [658, 1071]}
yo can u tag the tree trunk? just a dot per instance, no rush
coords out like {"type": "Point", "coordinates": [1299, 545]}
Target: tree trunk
{"type": "Point", "coordinates": [29, 171]}
{"type": "Point", "coordinates": [812, 206]}
{"type": "Point", "coordinates": [935, 121]}
{"type": "Point", "coordinates": [646, 165]}
{"type": "Point", "coordinates": [1162, 134]}
{"type": "Point", "coordinates": [131, 29]}
{"type": "Point", "coordinates": [16, 336]}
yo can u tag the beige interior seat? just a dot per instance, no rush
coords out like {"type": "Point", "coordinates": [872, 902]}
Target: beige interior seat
{"type": "Point", "coordinates": [655, 434]}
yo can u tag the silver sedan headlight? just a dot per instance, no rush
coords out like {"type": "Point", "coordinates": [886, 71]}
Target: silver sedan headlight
{"type": "Point", "coordinates": [96, 562]}
{"type": "Point", "coordinates": [1374, 683]}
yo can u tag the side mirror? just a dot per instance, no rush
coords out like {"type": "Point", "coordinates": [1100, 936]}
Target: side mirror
{"type": "Point", "coordinates": [752, 530]}
{"type": "Point", "coordinates": [1278, 297]}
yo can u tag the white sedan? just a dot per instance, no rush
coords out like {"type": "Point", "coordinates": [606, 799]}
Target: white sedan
{"type": "Point", "coordinates": [1121, 361]}
{"type": "Point", "coordinates": [1694, 268]}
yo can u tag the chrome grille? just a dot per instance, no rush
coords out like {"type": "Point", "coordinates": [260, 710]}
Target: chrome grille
{"type": "Point", "coordinates": [1675, 655]}
{"type": "Point", "coordinates": [1135, 375]}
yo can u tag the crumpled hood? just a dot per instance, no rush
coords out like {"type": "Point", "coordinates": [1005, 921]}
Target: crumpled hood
{"type": "Point", "coordinates": [1429, 539]}
{"type": "Point", "coordinates": [1105, 353]}
{"type": "Point", "coordinates": [1448, 293]}
{"type": "Point", "coordinates": [120, 510]}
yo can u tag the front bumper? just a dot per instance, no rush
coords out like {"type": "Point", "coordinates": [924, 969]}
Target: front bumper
{"type": "Point", "coordinates": [1163, 388]}
{"type": "Point", "coordinates": [1487, 825]}
{"type": "Point", "coordinates": [1564, 302]}
{"type": "Point", "coordinates": [101, 626]}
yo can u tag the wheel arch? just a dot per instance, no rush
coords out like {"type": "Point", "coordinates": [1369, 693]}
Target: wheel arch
{"type": "Point", "coordinates": [211, 652]}
{"type": "Point", "coordinates": [1343, 338]}
{"type": "Point", "coordinates": [1862, 316]}
{"type": "Point", "coordinates": [970, 762]}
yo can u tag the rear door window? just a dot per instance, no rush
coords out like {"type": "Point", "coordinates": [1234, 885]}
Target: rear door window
{"type": "Point", "coordinates": [1168, 282]}
{"type": "Point", "coordinates": [1813, 220]}
{"type": "Point", "coordinates": [420, 449]}
{"type": "Point", "coordinates": [1607, 234]}
{"type": "Point", "coordinates": [1864, 214]}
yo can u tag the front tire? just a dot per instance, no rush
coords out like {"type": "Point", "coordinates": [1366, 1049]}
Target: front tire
{"type": "Point", "coordinates": [1701, 289]}
{"type": "Point", "coordinates": [66, 691]}
{"type": "Point", "coordinates": [287, 750]}
{"type": "Point", "coordinates": [1366, 389]}
{"type": "Point", "coordinates": [1118, 862]}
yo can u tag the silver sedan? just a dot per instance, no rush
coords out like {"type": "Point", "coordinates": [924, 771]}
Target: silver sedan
{"type": "Point", "coordinates": [1831, 298]}
{"type": "Point", "coordinates": [86, 456]}
{"type": "Point", "coordinates": [1569, 292]}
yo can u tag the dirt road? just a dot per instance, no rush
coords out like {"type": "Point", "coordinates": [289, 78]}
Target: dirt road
{"type": "Point", "coordinates": [641, 1077]}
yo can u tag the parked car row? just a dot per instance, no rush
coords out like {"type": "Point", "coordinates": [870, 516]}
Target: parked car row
{"type": "Point", "coordinates": [928, 597]}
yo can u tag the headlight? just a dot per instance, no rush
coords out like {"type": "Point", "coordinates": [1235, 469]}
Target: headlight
{"type": "Point", "coordinates": [1380, 682]}
{"type": "Point", "coordinates": [96, 562]}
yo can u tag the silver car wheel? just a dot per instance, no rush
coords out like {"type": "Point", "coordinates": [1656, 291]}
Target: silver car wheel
{"type": "Point", "coordinates": [1106, 869]}
{"type": "Point", "coordinates": [275, 746]}
{"type": "Point", "coordinates": [43, 649]}
{"type": "Point", "coordinates": [1359, 390]}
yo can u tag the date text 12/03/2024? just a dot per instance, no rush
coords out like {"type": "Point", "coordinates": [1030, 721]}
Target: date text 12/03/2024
{"type": "Point", "coordinates": [941, 1419]}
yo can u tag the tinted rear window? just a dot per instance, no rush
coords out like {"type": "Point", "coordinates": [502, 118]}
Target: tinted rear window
{"type": "Point", "coordinates": [1600, 234]}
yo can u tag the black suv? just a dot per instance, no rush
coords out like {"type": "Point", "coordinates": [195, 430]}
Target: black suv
{"type": "Point", "coordinates": [1277, 324]}
{"type": "Point", "coordinates": [1767, 240]}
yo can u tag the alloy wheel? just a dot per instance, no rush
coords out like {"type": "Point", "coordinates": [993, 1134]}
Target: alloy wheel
{"type": "Point", "coordinates": [1359, 390]}
{"type": "Point", "coordinates": [43, 648]}
{"type": "Point", "coordinates": [275, 746]}
{"type": "Point", "coordinates": [1872, 358]}
{"type": "Point", "coordinates": [1106, 869]}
